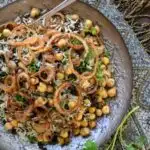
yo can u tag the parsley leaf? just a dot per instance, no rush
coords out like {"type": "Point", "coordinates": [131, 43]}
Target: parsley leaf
{"type": "Point", "coordinates": [20, 98]}
{"type": "Point", "coordinates": [33, 67]}
{"type": "Point", "coordinates": [90, 145]}
{"type": "Point", "coordinates": [75, 42]}
{"type": "Point", "coordinates": [99, 74]}
{"type": "Point", "coordinates": [107, 53]}
{"type": "Point", "coordinates": [31, 138]}
{"type": "Point", "coordinates": [91, 31]}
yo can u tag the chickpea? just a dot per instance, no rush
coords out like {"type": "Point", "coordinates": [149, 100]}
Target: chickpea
{"type": "Point", "coordinates": [50, 89]}
{"type": "Point", "coordinates": [92, 116]}
{"type": "Point", "coordinates": [72, 104]}
{"type": "Point", "coordinates": [92, 109]}
{"type": "Point", "coordinates": [60, 140]}
{"type": "Point", "coordinates": [107, 73]}
{"type": "Point", "coordinates": [50, 102]}
{"type": "Point", "coordinates": [75, 17]}
{"type": "Point", "coordinates": [68, 71]}
{"type": "Point", "coordinates": [12, 64]}
{"type": "Point", "coordinates": [99, 99]}
{"type": "Point", "coordinates": [59, 56]}
{"type": "Point", "coordinates": [97, 29]}
{"type": "Point", "coordinates": [88, 24]}
{"type": "Point", "coordinates": [99, 112]}
{"type": "Point", "coordinates": [42, 87]}
{"type": "Point", "coordinates": [14, 123]}
{"type": "Point", "coordinates": [64, 134]}
{"type": "Point", "coordinates": [112, 92]}
{"type": "Point", "coordinates": [76, 131]}
{"type": "Point", "coordinates": [6, 32]}
{"type": "Point", "coordinates": [84, 123]}
{"type": "Point", "coordinates": [84, 131]}
{"type": "Point", "coordinates": [106, 109]}
{"type": "Point", "coordinates": [8, 126]}
{"type": "Point", "coordinates": [34, 81]}
{"type": "Point", "coordinates": [85, 84]}
{"type": "Point", "coordinates": [77, 124]}
{"type": "Point", "coordinates": [60, 76]}
{"type": "Point", "coordinates": [103, 67]}
{"type": "Point", "coordinates": [61, 43]}
{"type": "Point", "coordinates": [110, 82]}
{"type": "Point", "coordinates": [35, 12]}
{"type": "Point", "coordinates": [103, 93]}
{"type": "Point", "coordinates": [39, 102]}
{"type": "Point", "coordinates": [105, 61]}
{"type": "Point", "coordinates": [92, 124]}
{"type": "Point", "coordinates": [79, 116]}
{"type": "Point", "coordinates": [102, 83]}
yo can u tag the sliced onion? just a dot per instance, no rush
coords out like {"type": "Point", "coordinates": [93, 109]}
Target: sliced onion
{"type": "Point", "coordinates": [48, 72]}
{"type": "Point", "coordinates": [57, 99]}
{"type": "Point", "coordinates": [23, 77]}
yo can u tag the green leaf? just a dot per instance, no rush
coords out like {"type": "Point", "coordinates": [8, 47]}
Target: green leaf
{"type": "Point", "coordinates": [75, 42]}
{"type": "Point", "coordinates": [90, 145]}
{"type": "Point", "coordinates": [93, 31]}
{"type": "Point", "coordinates": [33, 67]}
{"type": "Point", "coordinates": [99, 73]}
{"type": "Point", "coordinates": [20, 98]}
{"type": "Point", "coordinates": [107, 53]}
{"type": "Point", "coordinates": [130, 147]}
{"type": "Point", "coordinates": [31, 138]}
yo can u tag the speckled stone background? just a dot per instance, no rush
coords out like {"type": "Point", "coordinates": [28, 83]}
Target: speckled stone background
{"type": "Point", "coordinates": [139, 125]}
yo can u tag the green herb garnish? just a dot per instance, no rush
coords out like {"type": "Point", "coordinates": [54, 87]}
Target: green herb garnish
{"type": "Point", "coordinates": [91, 31]}
{"type": "Point", "coordinates": [75, 42]}
{"type": "Point", "coordinates": [32, 138]}
{"type": "Point", "coordinates": [84, 66]}
{"type": "Point", "coordinates": [20, 98]}
{"type": "Point", "coordinates": [33, 67]}
{"type": "Point", "coordinates": [90, 145]}
{"type": "Point", "coordinates": [107, 53]}
{"type": "Point", "coordinates": [65, 59]}
{"type": "Point", "coordinates": [99, 73]}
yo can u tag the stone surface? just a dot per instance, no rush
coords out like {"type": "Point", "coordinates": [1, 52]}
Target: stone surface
{"type": "Point", "coordinates": [140, 123]}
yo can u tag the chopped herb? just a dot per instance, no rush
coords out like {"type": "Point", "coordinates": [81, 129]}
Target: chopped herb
{"type": "Point", "coordinates": [32, 138]}
{"type": "Point", "coordinates": [107, 53]}
{"type": "Point", "coordinates": [90, 31]}
{"type": "Point", "coordinates": [99, 74]}
{"type": "Point", "coordinates": [65, 59]}
{"type": "Point", "coordinates": [72, 77]}
{"type": "Point", "coordinates": [2, 74]}
{"type": "Point", "coordinates": [84, 66]}
{"type": "Point", "coordinates": [90, 145]}
{"type": "Point", "coordinates": [33, 67]}
{"type": "Point", "coordinates": [64, 48]}
{"type": "Point", "coordinates": [20, 98]}
{"type": "Point", "coordinates": [75, 42]}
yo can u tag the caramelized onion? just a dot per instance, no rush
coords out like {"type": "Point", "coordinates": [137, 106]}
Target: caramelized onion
{"type": "Point", "coordinates": [57, 99]}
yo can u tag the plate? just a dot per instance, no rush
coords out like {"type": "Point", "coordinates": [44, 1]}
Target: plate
{"type": "Point", "coordinates": [122, 65]}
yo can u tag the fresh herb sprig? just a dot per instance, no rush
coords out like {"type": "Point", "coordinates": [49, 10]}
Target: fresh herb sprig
{"type": "Point", "coordinates": [91, 31]}
{"type": "Point", "coordinates": [107, 53]}
{"type": "Point", "coordinates": [99, 73]}
{"type": "Point", "coordinates": [90, 145]}
{"type": "Point", "coordinates": [33, 67]}
{"type": "Point", "coordinates": [20, 98]}
{"type": "Point", "coordinates": [75, 42]}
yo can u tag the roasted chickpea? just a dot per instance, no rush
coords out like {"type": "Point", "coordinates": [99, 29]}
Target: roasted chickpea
{"type": "Point", "coordinates": [64, 134]}
{"type": "Point", "coordinates": [106, 109]}
{"type": "Point", "coordinates": [40, 102]}
{"type": "Point", "coordinates": [92, 124]}
{"type": "Point", "coordinates": [99, 112]}
{"type": "Point", "coordinates": [88, 23]}
{"type": "Point", "coordinates": [35, 12]}
{"type": "Point", "coordinates": [112, 92]}
{"type": "Point", "coordinates": [110, 82]}
{"type": "Point", "coordinates": [12, 64]}
{"type": "Point", "coordinates": [75, 17]}
{"type": "Point", "coordinates": [8, 126]}
{"type": "Point", "coordinates": [34, 81]}
{"type": "Point", "coordinates": [102, 83]}
{"type": "Point", "coordinates": [68, 71]}
{"type": "Point", "coordinates": [87, 102]}
{"type": "Point", "coordinates": [61, 43]}
{"type": "Point", "coordinates": [76, 131]}
{"type": "Point", "coordinates": [107, 73]}
{"type": "Point", "coordinates": [61, 140]}
{"type": "Point", "coordinates": [60, 76]}
{"type": "Point", "coordinates": [6, 32]}
{"type": "Point", "coordinates": [105, 60]}
{"type": "Point", "coordinates": [79, 116]}
{"type": "Point", "coordinates": [42, 87]}
{"type": "Point", "coordinates": [92, 116]}
{"type": "Point", "coordinates": [103, 67]}
{"type": "Point", "coordinates": [14, 123]}
{"type": "Point", "coordinates": [84, 123]}
{"type": "Point", "coordinates": [72, 104]}
{"type": "Point", "coordinates": [77, 124]}
{"type": "Point", "coordinates": [92, 109]}
{"type": "Point", "coordinates": [102, 93]}
{"type": "Point", "coordinates": [50, 89]}
{"type": "Point", "coordinates": [97, 29]}
{"type": "Point", "coordinates": [99, 99]}
{"type": "Point", "coordinates": [59, 56]}
{"type": "Point", "coordinates": [84, 131]}
{"type": "Point", "coordinates": [50, 102]}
